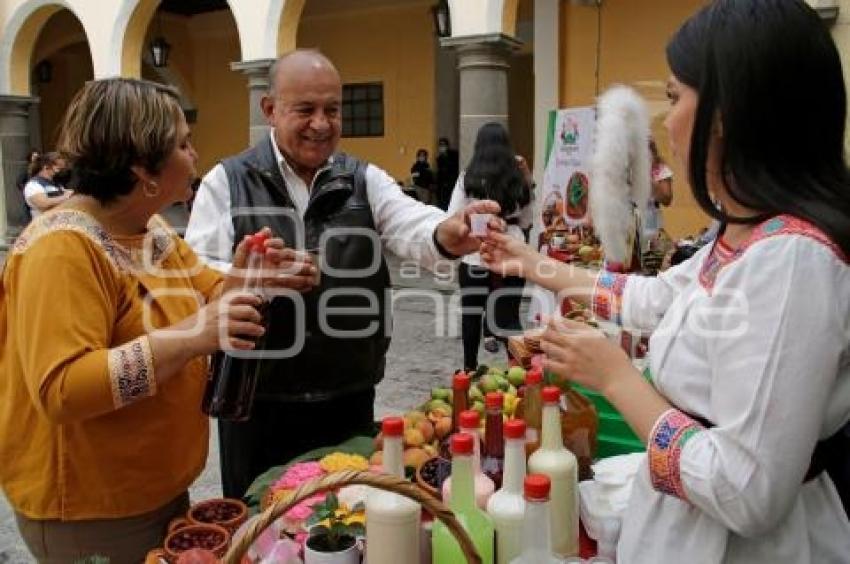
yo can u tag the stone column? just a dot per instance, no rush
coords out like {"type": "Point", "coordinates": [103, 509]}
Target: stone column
{"type": "Point", "coordinates": [15, 143]}
{"type": "Point", "coordinates": [258, 85]}
{"type": "Point", "coordinates": [483, 63]}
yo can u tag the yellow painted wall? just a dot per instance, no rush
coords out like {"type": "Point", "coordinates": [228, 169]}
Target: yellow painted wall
{"type": "Point", "coordinates": [390, 45]}
{"type": "Point", "coordinates": [202, 48]}
{"type": "Point", "coordinates": [63, 44]}
{"type": "Point", "coordinates": [633, 37]}
{"type": "Point", "coordinates": [221, 94]}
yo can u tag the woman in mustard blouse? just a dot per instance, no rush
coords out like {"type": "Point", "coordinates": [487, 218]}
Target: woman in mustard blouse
{"type": "Point", "coordinates": [106, 321]}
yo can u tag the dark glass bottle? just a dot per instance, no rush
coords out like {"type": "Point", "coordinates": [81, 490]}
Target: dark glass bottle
{"type": "Point", "coordinates": [232, 381]}
{"type": "Point", "coordinates": [493, 461]}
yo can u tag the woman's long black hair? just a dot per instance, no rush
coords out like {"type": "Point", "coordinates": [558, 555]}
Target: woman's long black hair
{"type": "Point", "coordinates": [493, 173]}
{"type": "Point", "coordinates": [771, 73]}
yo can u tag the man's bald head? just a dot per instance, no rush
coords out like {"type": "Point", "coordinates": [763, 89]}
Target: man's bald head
{"type": "Point", "coordinates": [298, 63]}
{"type": "Point", "coordinates": [303, 106]}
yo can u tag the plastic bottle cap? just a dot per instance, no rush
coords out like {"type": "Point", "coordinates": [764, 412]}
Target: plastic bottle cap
{"type": "Point", "coordinates": [256, 244]}
{"type": "Point", "coordinates": [533, 376]}
{"type": "Point", "coordinates": [469, 419]}
{"type": "Point", "coordinates": [514, 429]}
{"type": "Point", "coordinates": [551, 394]}
{"type": "Point", "coordinates": [462, 443]}
{"type": "Point", "coordinates": [537, 486]}
{"type": "Point", "coordinates": [392, 426]}
{"type": "Point", "coordinates": [494, 400]}
{"type": "Point", "coordinates": [461, 381]}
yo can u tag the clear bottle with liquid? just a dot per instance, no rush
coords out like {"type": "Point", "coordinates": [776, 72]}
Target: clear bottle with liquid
{"type": "Point", "coordinates": [477, 523]}
{"type": "Point", "coordinates": [232, 382]}
{"type": "Point", "coordinates": [483, 485]}
{"type": "Point", "coordinates": [392, 521]}
{"type": "Point", "coordinates": [507, 505]}
{"type": "Point", "coordinates": [536, 536]}
{"type": "Point", "coordinates": [560, 465]}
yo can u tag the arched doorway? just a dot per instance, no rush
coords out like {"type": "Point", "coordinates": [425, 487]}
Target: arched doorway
{"type": "Point", "coordinates": [60, 64]}
{"type": "Point", "coordinates": [204, 41]}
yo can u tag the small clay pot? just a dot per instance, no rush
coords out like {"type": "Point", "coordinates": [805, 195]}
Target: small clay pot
{"type": "Point", "coordinates": [209, 537]}
{"type": "Point", "coordinates": [225, 512]}
{"type": "Point", "coordinates": [178, 523]}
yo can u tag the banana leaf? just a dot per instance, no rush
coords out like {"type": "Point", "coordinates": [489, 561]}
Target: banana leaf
{"type": "Point", "coordinates": [364, 446]}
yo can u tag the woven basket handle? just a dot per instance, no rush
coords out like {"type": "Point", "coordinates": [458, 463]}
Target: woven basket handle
{"type": "Point", "coordinates": [349, 478]}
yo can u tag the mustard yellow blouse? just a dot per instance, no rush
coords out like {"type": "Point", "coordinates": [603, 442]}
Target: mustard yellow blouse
{"type": "Point", "coordinates": [84, 430]}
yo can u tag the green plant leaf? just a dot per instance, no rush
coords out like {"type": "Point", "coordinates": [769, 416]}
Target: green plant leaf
{"type": "Point", "coordinates": [357, 530]}
{"type": "Point", "coordinates": [332, 502]}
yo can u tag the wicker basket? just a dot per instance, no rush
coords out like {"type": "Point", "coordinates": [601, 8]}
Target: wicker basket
{"type": "Point", "coordinates": [348, 478]}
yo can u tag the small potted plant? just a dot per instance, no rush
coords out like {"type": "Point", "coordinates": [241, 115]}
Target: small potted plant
{"type": "Point", "coordinates": [333, 533]}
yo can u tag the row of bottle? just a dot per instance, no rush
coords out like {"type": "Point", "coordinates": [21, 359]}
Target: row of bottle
{"type": "Point", "coordinates": [579, 422]}
{"type": "Point", "coordinates": [504, 532]}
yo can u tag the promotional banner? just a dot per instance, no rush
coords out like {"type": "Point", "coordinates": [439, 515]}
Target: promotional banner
{"type": "Point", "coordinates": [566, 186]}
{"type": "Point", "coordinates": [566, 180]}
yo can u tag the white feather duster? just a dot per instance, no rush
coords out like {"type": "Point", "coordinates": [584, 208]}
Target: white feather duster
{"type": "Point", "coordinates": [620, 170]}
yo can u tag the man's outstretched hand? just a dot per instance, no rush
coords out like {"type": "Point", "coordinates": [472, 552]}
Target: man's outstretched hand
{"type": "Point", "coordinates": [455, 232]}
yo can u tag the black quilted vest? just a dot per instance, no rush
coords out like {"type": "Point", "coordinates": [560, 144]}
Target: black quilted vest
{"type": "Point", "coordinates": [327, 365]}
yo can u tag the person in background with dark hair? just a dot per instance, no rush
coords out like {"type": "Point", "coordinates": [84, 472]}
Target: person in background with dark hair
{"type": "Point", "coordinates": [24, 176]}
{"type": "Point", "coordinates": [43, 192]}
{"type": "Point", "coordinates": [745, 414]}
{"type": "Point", "coordinates": [495, 172]}
{"type": "Point", "coordinates": [106, 321]}
{"type": "Point", "coordinates": [448, 168]}
{"type": "Point", "coordinates": [423, 177]}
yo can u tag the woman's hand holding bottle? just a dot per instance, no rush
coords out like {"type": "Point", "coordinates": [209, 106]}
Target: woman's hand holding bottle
{"type": "Point", "coordinates": [282, 268]}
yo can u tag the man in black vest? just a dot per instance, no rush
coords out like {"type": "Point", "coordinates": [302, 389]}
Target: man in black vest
{"type": "Point", "coordinates": [336, 334]}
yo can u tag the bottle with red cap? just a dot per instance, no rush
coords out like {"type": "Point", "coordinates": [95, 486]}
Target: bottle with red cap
{"type": "Point", "coordinates": [560, 465]}
{"type": "Point", "coordinates": [232, 381]}
{"type": "Point", "coordinates": [484, 486]}
{"type": "Point", "coordinates": [536, 536]}
{"type": "Point", "coordinates": [493, 457]}
{"type": "Point", "coordinates": [530, 409]}
{"type": "Point", "coordinates": [507, 506]}
{"type": "Point", "coordinates": [460, 397]}
{"type": "Point", "coordinates": [392, 532]}
{"type": "Point", "coordinates": [476, 522]}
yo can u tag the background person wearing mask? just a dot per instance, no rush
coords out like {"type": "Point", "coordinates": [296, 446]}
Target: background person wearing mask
{"type": "Point", "coordinates": [448, 168]}
{"type": "Point", "coordinates": [423, 177]}
{"type": "Point", "coordinates": [43, 192]}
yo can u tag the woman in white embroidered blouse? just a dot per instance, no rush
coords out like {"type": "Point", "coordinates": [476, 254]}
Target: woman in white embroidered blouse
{"type": "Point", "coordinates": [750, 350]}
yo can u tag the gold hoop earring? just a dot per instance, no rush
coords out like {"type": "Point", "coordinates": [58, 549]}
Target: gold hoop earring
{"type": "Point", "coordinates": [150, 189]}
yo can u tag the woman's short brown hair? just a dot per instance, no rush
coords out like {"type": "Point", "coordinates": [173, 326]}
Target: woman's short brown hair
{"type": "Point", "coordinates": [113, 124]}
